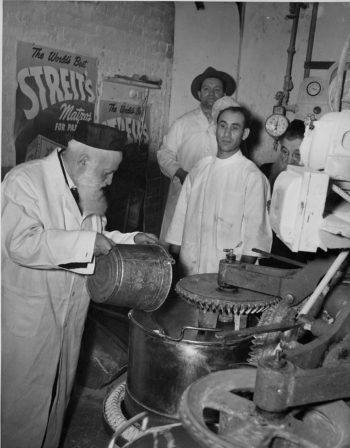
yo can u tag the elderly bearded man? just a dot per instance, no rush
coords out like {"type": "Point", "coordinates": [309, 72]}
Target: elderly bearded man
{"type": "Point", "coordinates": [223, 203]}
{"type": "Point", "coordinates": [49, 244]}
{"type": "Point", "coordinates": [191, 136]}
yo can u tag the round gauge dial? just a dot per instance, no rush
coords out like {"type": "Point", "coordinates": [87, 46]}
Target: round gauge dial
{"type": "Point", "coordinates": [313, 88]}
{"type": "Point", "coordinates": [276, 125]}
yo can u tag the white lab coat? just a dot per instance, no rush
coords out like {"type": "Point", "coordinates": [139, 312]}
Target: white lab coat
{"type": "Point", "coordinates": [190, 138]}
{"type": "Point", "coordinates": [222, 205]}
{"type": "Point", "coordinates": [44, 306]}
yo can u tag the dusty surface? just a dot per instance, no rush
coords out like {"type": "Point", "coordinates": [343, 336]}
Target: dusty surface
{"type": "Point", "coordinates": [85, 426]}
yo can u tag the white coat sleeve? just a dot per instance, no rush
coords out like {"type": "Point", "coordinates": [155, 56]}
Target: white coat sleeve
{"type": "Point", "coordinates": [25, 238]}
{"type": "Point", "coordinates": [167, 155]}
{"type": "Point", "coordinates": [256, 228]}
{"type": "Point", "coordinates": [118, 237]}
{"type": "Point", "coordinates": [177, 225]}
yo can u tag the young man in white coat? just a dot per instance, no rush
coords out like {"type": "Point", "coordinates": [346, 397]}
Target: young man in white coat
{"type": "Point", "coordinates": [223, 203]}
{"type": "Point", "coordinates": [50, 239]}
{"type": "Point", "coordinates": [191, 136]}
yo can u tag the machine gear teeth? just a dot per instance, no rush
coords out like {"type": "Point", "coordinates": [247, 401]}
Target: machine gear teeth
{"type": "Point", "coordinates": [264, 345]}
{"type": "Point", "coordinates": [202, 291]}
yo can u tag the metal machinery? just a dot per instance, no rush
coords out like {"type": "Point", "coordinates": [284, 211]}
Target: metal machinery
{"type": "Point", "coordinates": [294, 398]}
{"type": "Point", "coordinates": [294, 391]}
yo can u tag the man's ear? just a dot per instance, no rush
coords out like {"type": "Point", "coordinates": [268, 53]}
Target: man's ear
{"type": "Point", "coordinates": [246, 132]}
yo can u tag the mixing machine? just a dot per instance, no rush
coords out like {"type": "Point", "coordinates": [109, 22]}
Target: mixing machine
{"type": "Point", "coordinates": [285, 332]}
{"type": "Point", "coordinates": [297, 395]}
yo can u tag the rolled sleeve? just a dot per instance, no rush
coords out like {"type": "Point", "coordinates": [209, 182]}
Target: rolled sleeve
{"type": "Point", "coordinates": [121, 238]}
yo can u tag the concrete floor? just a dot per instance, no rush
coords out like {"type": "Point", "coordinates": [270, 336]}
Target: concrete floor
{"type": "Point", "coordinates": [85, 426]}
{"type": "Point", "coordinates": [101, 368]}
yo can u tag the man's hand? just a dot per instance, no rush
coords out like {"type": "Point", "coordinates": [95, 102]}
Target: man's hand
{"type": "Point", "coordinates": [181, 174]}
{"type": "Point", "coordinates": [103, 245]}
{"type": "Point", "coordinates": [145, 238]}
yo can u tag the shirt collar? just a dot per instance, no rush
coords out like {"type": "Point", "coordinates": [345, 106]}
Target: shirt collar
{"type": "Point", "coordinates": [234, 156]}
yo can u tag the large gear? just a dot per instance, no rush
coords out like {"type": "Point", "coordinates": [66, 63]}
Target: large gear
{"type": "Point", "coordinates": [202, 291]}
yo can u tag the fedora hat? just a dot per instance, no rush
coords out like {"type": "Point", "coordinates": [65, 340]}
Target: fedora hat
{"type": "Point", "coordinates": [227, 80]}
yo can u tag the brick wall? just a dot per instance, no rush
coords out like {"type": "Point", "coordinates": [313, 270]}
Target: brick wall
{"type": "Point", "coordinates": [127, 38]}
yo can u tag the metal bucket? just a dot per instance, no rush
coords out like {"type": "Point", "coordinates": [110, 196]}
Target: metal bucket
{"type": "Point", "coordinates": [133, 276]}
{"type": "Point", "coordinates": [164, 359]}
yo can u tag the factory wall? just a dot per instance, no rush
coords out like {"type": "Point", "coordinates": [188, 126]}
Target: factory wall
{"type": "Point", "coordinates": [203, 37]}
{"type": "Point", "coordinates": [210, 36]}
{"type": "Point", "coordinates": [174, 41]}
{"type": "Point", "coordinates": [127, 38]}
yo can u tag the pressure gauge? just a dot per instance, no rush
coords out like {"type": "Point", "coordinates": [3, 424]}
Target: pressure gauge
{"type": "Point", "coordinates": [276, 125]}
{"type": "Point", "coordinates": [313, 88]}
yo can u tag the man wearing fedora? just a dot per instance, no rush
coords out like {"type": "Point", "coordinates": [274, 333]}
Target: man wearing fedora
{"type": "Point", "coordinates": [52, 229]}
{"type": "Point", "coordinates": [191, 137]}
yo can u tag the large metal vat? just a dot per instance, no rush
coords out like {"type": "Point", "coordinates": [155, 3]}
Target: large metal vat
{"type": "Point", "coordinates": [165, 356]}
{"type": "Point", "coordinates": [132, 276]}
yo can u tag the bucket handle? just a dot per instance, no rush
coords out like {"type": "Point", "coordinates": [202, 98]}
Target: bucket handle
{"type": "Point", "coordinates": [184, 329]}
{"type": "Point", "coordinates": [222, 339]}
{"type": "Point", "coordinates": [169, 260]}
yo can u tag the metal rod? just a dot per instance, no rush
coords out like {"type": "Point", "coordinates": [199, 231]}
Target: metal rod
{"type": "Point", "coordinates": [241, 10]}
{"type": "Point", "coordinates": [288, 85]}
{"type": "Point", "coordinates": [324, 282]}
{"type": "Point", "coordinates": [310, 43]}
{"type": "Point", "coordinates": [280, 258]}
{"type": "Point", "coordinates": [341, 193]}
{"type": "Point", "coordinates": [251, 331]}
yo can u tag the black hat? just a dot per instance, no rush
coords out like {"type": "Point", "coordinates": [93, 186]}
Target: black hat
{"type": "Point", "coordinates": [227, 80]}
{"type": "Point", "coordinates": [100, 136]}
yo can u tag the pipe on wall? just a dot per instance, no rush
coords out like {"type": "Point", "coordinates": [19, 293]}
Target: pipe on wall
{"type": "Point", "coordinates": [310, 42]}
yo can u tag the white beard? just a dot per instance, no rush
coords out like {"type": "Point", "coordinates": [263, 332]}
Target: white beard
{"type": "Point", "coordinates": [92, 198]}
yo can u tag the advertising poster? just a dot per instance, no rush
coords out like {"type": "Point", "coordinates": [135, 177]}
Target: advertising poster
{"type": "Point", "coordinates": [127, 110]}
{"type": "Point", "coordinates": [55, 90]}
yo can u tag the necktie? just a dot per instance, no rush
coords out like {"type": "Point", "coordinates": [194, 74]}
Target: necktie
{"type": "Point", "coordinates": [75, 194]}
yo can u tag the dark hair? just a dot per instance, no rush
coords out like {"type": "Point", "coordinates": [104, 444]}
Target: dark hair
{"type": "Point", "coordinates": [240, 109]}
{"type": "Point", "coordinates": [296, 129]}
